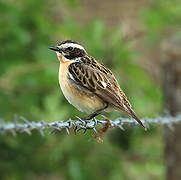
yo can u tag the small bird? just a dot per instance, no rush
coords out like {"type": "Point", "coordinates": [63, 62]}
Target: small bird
{"type": "Point", "coordinates": [87, 84]}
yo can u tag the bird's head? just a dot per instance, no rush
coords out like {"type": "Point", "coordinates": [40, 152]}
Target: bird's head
{"type": "Point", "coordinates": [69, 50]}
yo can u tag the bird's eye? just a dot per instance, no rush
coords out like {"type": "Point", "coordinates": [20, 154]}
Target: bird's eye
{"type": "Point", "coordinates": [70, 48]}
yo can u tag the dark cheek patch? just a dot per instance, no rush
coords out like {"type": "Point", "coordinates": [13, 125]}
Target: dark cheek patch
{"type": "Point", "coordinates": [76, 52]}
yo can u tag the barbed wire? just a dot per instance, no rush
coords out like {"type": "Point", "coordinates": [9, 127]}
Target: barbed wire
{"type": "Point", "coordinates": [27, 126]}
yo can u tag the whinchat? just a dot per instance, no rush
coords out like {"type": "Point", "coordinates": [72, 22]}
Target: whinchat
{"type": "Point", "coordinates": [87, 84]}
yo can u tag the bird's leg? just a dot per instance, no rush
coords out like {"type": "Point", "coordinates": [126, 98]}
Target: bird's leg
{"type": "Point", "coordinates": [91, 116]}
{"type": "Point", "coordinates": [94, 114]}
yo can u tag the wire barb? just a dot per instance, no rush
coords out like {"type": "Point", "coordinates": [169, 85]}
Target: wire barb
{"type": "Point", "coordinates": [27, 126]}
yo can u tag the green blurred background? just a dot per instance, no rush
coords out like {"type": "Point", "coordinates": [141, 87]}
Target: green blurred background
{"type": "Point", "coordinates": [125, 36]}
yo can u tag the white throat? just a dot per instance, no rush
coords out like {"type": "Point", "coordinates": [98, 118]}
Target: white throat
{"type": "Point", "coordinates": [64, 59]}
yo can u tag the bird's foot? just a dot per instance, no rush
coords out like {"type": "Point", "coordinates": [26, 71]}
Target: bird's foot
{"type": "Point", "coordinates": [85, 125]}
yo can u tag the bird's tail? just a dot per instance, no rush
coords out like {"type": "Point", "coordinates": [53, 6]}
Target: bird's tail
{"type": "Point", "coordinates": [133, 115]}
{"type": "Point", "coordinates": [128, 110]}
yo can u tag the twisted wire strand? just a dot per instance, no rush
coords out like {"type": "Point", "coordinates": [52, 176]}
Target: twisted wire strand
{"type": "Point", "coordinates": [27, 126]}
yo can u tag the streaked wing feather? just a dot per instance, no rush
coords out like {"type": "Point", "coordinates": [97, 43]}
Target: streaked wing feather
{"type": "Point", "coordinates": [92, 79]}
{"type": "Point", "coordinates": [97, 78]}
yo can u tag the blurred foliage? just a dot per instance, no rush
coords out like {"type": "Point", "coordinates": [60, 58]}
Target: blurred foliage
{"type": "Point", "coordinates": [161, 18]}
{"type": "Point", "coordinates": [29, 87]}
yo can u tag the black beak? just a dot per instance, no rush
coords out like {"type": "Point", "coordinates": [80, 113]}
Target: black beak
{"type": "Point", "coordinates": [54, 48]}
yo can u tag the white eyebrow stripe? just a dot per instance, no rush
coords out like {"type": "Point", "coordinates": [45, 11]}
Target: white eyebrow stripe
{"type": "Point", "coordinates": [66, 45]}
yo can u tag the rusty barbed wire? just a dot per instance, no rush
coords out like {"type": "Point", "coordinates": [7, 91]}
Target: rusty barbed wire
{"type": "Point", "coordinates": [27, 126]}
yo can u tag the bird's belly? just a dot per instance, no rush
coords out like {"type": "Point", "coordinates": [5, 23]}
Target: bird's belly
{"type": "Point", "coordinates": [79, 97]}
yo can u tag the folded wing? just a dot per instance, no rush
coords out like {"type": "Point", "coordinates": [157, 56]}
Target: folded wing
{"type": "Point", "coordinates": [98, 79]}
